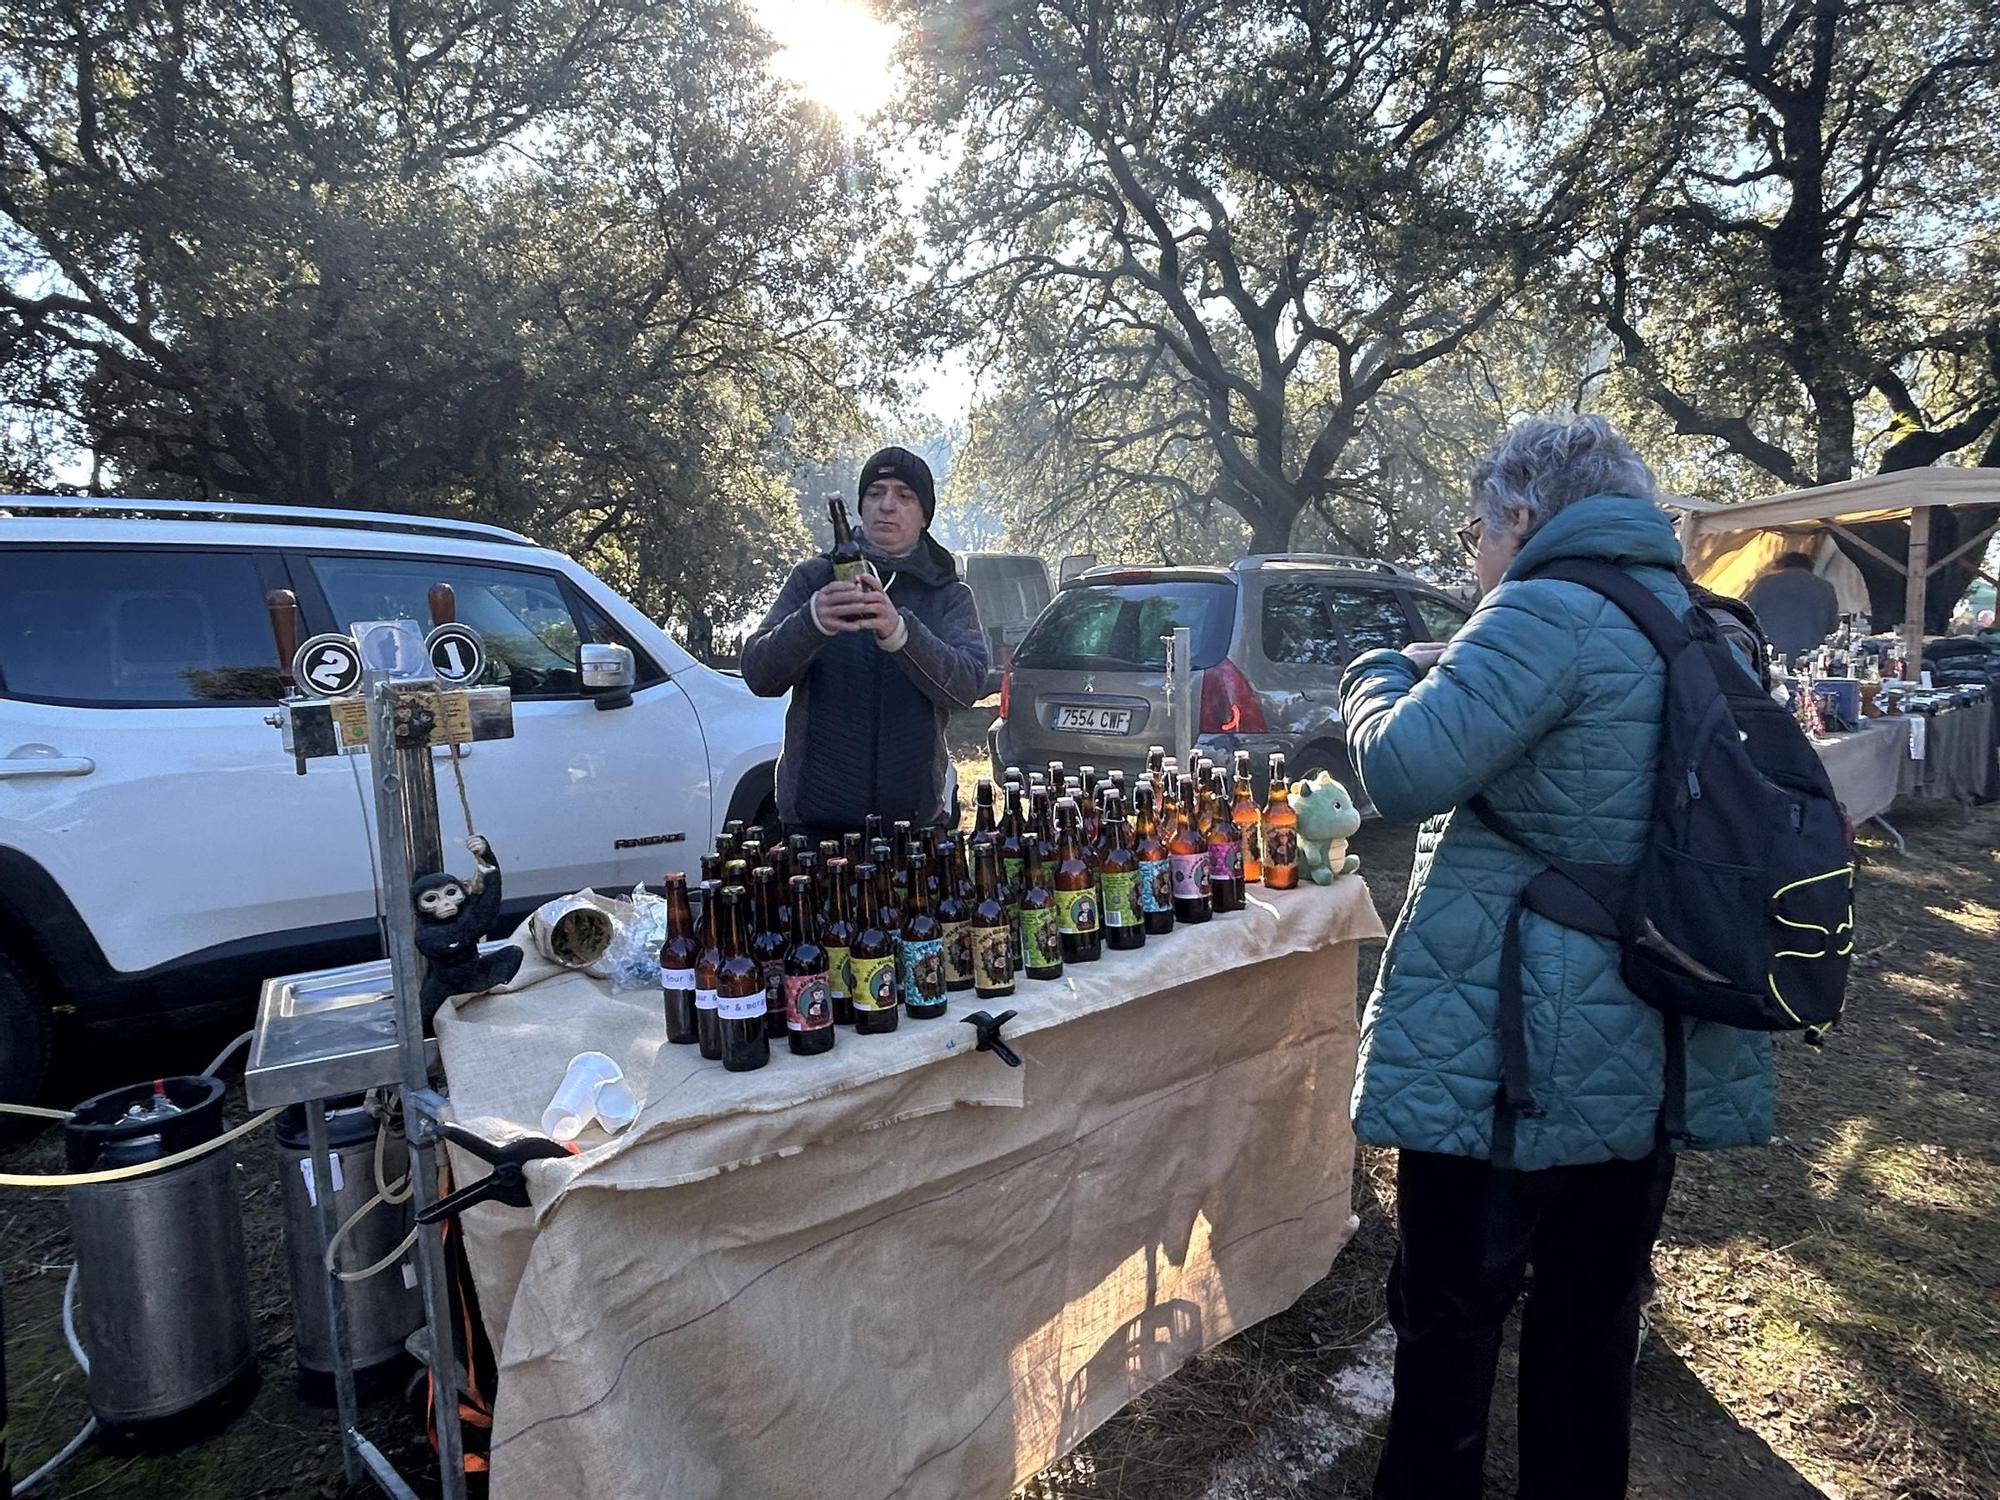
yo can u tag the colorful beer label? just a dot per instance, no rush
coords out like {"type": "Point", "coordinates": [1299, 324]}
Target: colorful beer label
{"type": "Point", "coordinates": [1282, 845]}
{"type": "Point", "coordinates": [923, 962]}
{"type": "Point", "coordinates": [874, 983]}
{"type": "Point", "coordinates": [993, 956]}
{"type": "Point", "coordinates": [704, 999]}
{"type": "Point", "coordinates": [1014, 949]}
{"type": "Point", "coordinates": [839, 971]}
{"type": "Point", "coordinates": [741, 1007]}
{"type": "Point", "coordinates": [1012, 868]}
{"type": "Point", "coordinates": [677, 979]}
{"type": "Point", "coordinates": [957, 952]}
{"type": "Point", "coordinates": [774, 985]}
{"type": "Point", "coordinates": [1156, 885]}
{"type": "Point", "coordinates": [1191, 875]}
{"type": "Point", "coordinates": [1225, 861]}
{"type": "Point", "coordinates": [1253, 839]}
{"type": "Point", "coordinates": [808, 1002]}
{"type": "Point", "coordinates": [1041, 938]}
{"type": "Point", "coordinates": [1121, 897]}
{"type": "Point", "coordinates": [1076, 911]}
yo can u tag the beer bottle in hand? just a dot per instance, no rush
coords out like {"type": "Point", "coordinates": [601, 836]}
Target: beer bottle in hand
{"type": "Point", "coordinates": [923, 946]}
{"type": "Point", "coordinates": [1281, 831]}
{"type": "Point", "coordinates": [708, 959]}
{"type": "Point", "coordinates": [1118, 878]}
{"type": "Point", "coordinates": [837, 934]}
{"type": "Point", "coordinates": [1156, 881]}
{"type": "Point", "coordinates": [1249, 824]}
{"type": "Point", "coordinates": [739, 992]}
{"type": "Point", "coordinates": [846, 554]}
{"type": "Point", "coordinates": [1075, 891]}
{"type": "Point", "coordinates": [1187, 852]}
{"type": "Point", "coordinates": [767, 946]}
{"type": "Point", "coordinates": [992, 945]}
{"type": "Point", "coordinates": [872, 959]}
{"type": "Point", "coordinates": [808, 977]}
{"type": "Point", "coordinates": [677, 956]}
{"type": "Point", "coordinates": [1041, 938]}
{"type": "Point", "coordinates": [1225, 848]}
{"type": "Point", "coordinates": [953, 916]}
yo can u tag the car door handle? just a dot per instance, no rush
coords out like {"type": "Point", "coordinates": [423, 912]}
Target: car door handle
{"type": "Point", "coordinates": [15, 766]}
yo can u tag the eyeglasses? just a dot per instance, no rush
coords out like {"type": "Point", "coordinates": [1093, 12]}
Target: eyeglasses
{"type": "Point", "coordinates": [1469, 534]}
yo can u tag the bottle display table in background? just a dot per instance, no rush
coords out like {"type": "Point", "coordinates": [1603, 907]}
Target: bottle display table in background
{"type": "Point", "coordinates": [903, 1268]}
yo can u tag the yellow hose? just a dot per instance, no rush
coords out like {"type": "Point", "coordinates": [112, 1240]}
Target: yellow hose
{"type": "Point", "coordinates": [126, 1174]}
{"type": "Point", "coordinates": [34, 1111]}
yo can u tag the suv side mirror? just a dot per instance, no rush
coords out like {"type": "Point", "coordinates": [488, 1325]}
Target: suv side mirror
{"type": "Point", "coordinates": [608, 673]}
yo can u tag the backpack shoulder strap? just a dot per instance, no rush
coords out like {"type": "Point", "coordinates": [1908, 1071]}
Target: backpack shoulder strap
{"type": "Point", "coordinates": [1655, 621]}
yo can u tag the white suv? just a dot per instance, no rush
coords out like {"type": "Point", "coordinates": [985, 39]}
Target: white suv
{"type": "Point", "coordinates": [159, 855]}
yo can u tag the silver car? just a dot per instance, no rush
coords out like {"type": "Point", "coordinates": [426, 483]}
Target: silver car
{"type": "Point", "coordinates": [1269, 635]}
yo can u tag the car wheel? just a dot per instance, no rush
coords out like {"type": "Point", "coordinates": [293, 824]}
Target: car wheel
{"type": "Point", "coordinates": [25, 1032]}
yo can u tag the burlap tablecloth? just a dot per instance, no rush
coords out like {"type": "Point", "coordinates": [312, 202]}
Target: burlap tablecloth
{"type": "Point", "coordinates": [903, 1269]}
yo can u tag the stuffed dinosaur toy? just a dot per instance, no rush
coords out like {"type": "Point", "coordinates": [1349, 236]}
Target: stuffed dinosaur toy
{"type": "Point", "coordinates": [1327, 819]}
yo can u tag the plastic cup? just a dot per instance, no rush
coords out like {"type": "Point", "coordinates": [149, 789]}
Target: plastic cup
{"type": "Point", "coordinates": [575, 1103]}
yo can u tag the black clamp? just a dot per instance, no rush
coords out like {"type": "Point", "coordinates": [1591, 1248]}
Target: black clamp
{"type": "Point", "coordinates": [506, 1183]}
{"type": "Point", "coordinates": [988, 1028]}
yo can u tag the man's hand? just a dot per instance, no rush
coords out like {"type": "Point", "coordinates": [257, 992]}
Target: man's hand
{"type": "Point", "coordinates": [1424, 654]}
{"type": "Point", "coordinates": [857, 605]}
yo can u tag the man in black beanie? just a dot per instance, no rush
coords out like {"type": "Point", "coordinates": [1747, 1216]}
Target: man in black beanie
{"type": "Point", "coordinates": [874, 666]}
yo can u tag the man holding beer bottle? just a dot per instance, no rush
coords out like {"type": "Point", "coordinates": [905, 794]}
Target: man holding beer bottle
{"type": "Point", "coordinates": [876, 653]}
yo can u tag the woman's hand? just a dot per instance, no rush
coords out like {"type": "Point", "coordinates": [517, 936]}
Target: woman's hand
{"type": "Point", "coordinates": [1424, 654]}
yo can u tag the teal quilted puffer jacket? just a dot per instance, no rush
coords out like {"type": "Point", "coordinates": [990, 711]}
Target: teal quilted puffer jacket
{"type": "Point", "coordinates": [1549, 701]}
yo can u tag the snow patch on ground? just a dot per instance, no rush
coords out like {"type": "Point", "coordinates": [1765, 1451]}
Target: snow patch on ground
{"type": "Point", "coordinates": [1313, 1438]}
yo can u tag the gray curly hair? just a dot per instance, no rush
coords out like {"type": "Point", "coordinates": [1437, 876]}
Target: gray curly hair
{"type": "Point", "coordinates": [1541, 466]}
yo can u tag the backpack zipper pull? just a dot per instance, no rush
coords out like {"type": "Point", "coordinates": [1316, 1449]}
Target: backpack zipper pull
{"type": "Point", "coordinates": [1694, 785]}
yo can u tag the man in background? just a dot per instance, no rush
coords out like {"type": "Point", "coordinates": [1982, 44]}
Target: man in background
{"type": "Point", "coordinates": [1797, 608]}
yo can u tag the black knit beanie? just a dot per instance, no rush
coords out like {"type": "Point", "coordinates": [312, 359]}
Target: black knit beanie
{"type": "Point", "coordinates": [901, 463]}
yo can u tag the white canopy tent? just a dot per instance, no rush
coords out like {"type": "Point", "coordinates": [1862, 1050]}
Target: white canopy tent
{"type": "Point", "coordinates": [1729, 547]}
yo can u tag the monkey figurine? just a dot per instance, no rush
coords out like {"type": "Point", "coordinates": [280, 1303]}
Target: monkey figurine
{"type": "Point", "coordinates": [452, 916]}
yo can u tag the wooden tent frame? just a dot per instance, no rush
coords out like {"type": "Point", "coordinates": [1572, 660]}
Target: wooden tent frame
{"type": "Point", "coordinates": [1911, 495]}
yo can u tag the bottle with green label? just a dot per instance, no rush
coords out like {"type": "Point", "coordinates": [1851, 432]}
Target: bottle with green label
{"type": "Point", "coordinates": [872, 961]}
{"type": "Point", "coordinates": [995, 938]}
{"type": "Point", "coordinates": [1041, 938]}
{"type": "Point", "coordinates": [923, 945]}
{"type": "Point", "coordinates": [837, 934]}
{"type": "Point", "coordinates": [1075, 890]}
{"type": "Point", "coordinates": [1118, 879]}
{"type": "Point", "coordinates": [846, 555]}
{"type": "Point", "coordinates": [953, 917]}
{"type": "Point", "coordinates": [1010, 845]}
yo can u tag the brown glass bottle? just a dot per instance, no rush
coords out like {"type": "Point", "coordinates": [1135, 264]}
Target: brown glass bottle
{"type": "Point", "coordinates": [1042, 824]}
{"type": "Point", "coordinates": [1249, 822]}
{"type": "Point", "coordinates": [983, 824]}
{"type": "Point", "coordinates": [1225, 846]}
{"type": "Point", "coordinates": [872, 960]}
{"type": "Point", "coordinates": [992, 944]}
{"type": "Point", "coordinates": [954, 916]}
{"type": "Point", "coordinates": [855, 852]}
{"type": "Point", "coordinates": [846, 556]}
{"type": "Point", "coordinates": [707, 959]}
{"type": "Point", "coordinates": [1075, 891]}
{"type": "Point", "coordinates": [837, 934]}
{"type": "Point", "coordinates": [871, 829]}
{"type": "Point", "coordinates": [1008, 848]}
{"type": "Point", "coordinates": [808, 978]}
{"type": "Point", "coordinates": [899, 858]}
{"type": "Point", "coordinates": [1281, 831]}
{"type": "Point", "coordinates": [1187, 852]}
{"type": "Point", "coordinates": [677, 955]}
{"type": "Point", "coordinates": [890, 907]}
{"type": "Point", "coordinates": [1118, 879]}
{"type": "Point", "coordinates": [711, 864]}
{"type": "Point", "coordinates": [767, 946]}
{"type": "Point", "coordinates": [739, 991]}
{"type": "Point", "coordinates": [1156, 880]}
{"type": "Point", "coordinates": [751, 841]}
{"type": "Point", "coordinates": [921, 960]}
{"type": "Point", "coordinates": [1041, 938]}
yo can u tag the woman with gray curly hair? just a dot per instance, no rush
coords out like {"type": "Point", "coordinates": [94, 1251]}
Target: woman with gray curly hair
{"type": "Point", "coordinates": [1549, 703]}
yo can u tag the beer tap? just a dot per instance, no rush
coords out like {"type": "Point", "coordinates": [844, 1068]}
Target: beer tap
{"type": "Point", "coordinates": [282, 605]}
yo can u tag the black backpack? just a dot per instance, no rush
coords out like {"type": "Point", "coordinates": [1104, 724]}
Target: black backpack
{"type": "Point", "coordinates": [1741, 908]}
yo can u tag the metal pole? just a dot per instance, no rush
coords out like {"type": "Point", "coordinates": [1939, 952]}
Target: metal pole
{"type": "Point", "coordinates": [404, 784]}
{"type": "Point", "coordinates": [1915, 584]}
{"type": "Point", "coordinates": [320, 1155]}
{"type": "Point", "coordinates": [1180, 685]}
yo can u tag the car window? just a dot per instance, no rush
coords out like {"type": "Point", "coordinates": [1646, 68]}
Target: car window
{"type": "Point", "coordinates": [133, 626]}
{"type": "Point", "coordinates": [531, 636]}
{"type": "Point", "coordinates": [1117, 626]}
{"type": "Point", "coordinates": [1299, 626]}
{"type": "Point", "coordinates": [1370, 619]}
{"type": "Point", "coordinates": [1440, 620]}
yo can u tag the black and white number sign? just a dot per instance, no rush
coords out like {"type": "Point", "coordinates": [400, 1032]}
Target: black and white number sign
{"type": "Point", "coordinates": [328, 666]}
{"type": "Point", "coordinates": [457, 654]}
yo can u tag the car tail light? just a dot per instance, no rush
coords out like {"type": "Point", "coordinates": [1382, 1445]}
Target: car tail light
{"type": "Point", "coordinates": [1228, 706]}
{"type": "Point", "coordinates": [1006, 690]}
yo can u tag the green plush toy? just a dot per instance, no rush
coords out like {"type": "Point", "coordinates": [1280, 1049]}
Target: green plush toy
{"type": "Point", "coordinates": [1327, 820]}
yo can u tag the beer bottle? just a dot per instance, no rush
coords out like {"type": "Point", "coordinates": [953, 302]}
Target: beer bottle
{"type": "Point", "coordinates": [767, 946]}
{"type": "Point", "coordinates": [1055, 781]}
{"type": "Point", "coordinates": [1041, 938]}
{"type": "Point", "coordinates": [711, 865]}
{"type": "Point", "coordinates": [808, 977]}
{"type": "Point", "coordinates": [890, 909]}
{"type": "Point", "coordinates": [992, 947]}
{"type": "Point", "coordinates": [797, 843]}
{"type": "Point", "coordinates": [750, 843]}
{"type": "Point", "coordinates": [871, 829]}
{"type": "Point", "coordinates": [872, 960]}
{"type": "Point", "coordinates": [707, 959]}
{"type": "Point", "coordinates": [900, 859]}
{"type": "Point", "coordinates": [934, 870]}
{"type": "Point", "coordinates": [736, 872]}
{"type": "Point", "coordinates": [1041, 825]}
{"type": "Point", "coordinates": [779, 858]}
{"type": "Point", "coordinates": [1243, 813]}
{"type": "Point", "coordinates": [726, 844]}
{"type": "Point", "coordinates": [1156, 884]}
{"type": "Point", "coordinates": [923, 947]}
{"type": "Point", "coordinates": [1281, 831]}
{"type": "Point", "coordinates": [739, 992]}
{"type": "Point", "coordinates": [1075, 891]}
{"type": "Point", "coordinates": [1092, 814]}
{"type": "Point", "coordinates": [1156, 772]}
{"type": "Point", "coordinates": [953, 914]}
{"type": "Point", "coordinates": [856, 854]}
{"type": "Point", "coordinates": [734, 828]}
{"type": "Point", "coordinates": [846, 554]}
{"type": "Point", "coordinates": [983, 826]}
{"type": "Point", "coordinates": [677, 956]}
{"type": "Point", "coordinates": [1118, 878]}
{"type": "Point", "coordinates": [1008, 848]}
{"type": "Point", "coordinates": [1187, 852]}
{"type": "Point", "coordinates": [807, 863]}
{"type": "Point", "coordinates": [838, 935]}
{"type": "Point", "coordinates": [1201, 803]}
{"type": "Point", "coordinates": [1225, 847]}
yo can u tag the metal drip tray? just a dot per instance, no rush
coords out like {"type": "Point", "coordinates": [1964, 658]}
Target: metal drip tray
{"type": "Point", "coordinates": [327, 1032]}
